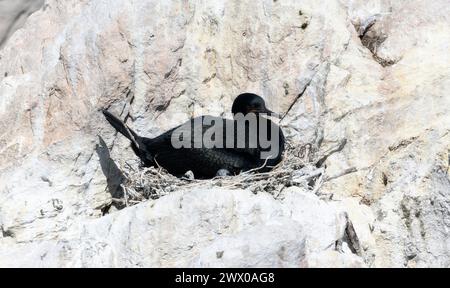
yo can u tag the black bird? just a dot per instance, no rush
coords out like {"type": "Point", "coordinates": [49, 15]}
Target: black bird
{"type": "Point", "coordinates": [206, 161]}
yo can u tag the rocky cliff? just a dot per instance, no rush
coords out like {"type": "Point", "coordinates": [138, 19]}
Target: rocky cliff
{"type": "Point", "coordinates": [13, 14]}
{"type": "Point", "coordinates": [374, 74]}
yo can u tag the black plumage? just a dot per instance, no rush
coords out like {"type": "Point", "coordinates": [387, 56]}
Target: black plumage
{"type": "Point", "coordinates": [202, 161]}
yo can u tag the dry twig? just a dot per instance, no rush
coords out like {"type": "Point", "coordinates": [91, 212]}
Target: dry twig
{"type": "Point", "coordinates": [297, 169]}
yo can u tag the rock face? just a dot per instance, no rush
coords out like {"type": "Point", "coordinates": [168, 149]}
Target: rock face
{"type": "Point", "coordinates": [198, 228]}
{"type": "Point", "coordinates": [13, 14]}
{"type": "Point", "coordinates": [375, 73]}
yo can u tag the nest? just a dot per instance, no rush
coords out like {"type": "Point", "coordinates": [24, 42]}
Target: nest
{"type": "Point", "coordinates": [298, 168]}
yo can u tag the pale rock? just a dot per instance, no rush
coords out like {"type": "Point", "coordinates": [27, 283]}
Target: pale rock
{"type": "Point", "coordinates": [376, 73]}
{"type": "Point", "coordinates": [13, 14]}
{"type": "Point", "coordinates": [332, 259]}
{"type": "Point", "coordinates": [198, 228]}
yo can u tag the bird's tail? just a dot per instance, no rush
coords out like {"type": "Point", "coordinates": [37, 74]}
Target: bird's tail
{"type": "Point", "coordinates": [120, 126]}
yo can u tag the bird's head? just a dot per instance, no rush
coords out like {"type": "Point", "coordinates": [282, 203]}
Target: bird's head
{"type": "Point", "coordinates": [250, 103]}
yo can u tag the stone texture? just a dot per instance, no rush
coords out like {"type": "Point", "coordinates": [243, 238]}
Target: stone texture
{"type": "Point", "coordinates": [198, 228]}
{"type": "Point", "coordinates": [13, 14]}
{"type": "Point", "coordinates": [373, 72]}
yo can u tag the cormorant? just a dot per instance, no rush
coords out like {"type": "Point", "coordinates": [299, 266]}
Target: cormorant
{"type": "Point", "coordinates": [223, 146]}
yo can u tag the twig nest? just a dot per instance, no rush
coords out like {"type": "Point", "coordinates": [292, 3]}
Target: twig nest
{"type": "Point", "coordinates": [298, 168]}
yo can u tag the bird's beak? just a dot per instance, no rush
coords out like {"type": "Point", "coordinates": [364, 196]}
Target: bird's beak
{"type": "Point", "coordinates": [270, 113]}
{"type": "Point", "coordinates": [264, 111]}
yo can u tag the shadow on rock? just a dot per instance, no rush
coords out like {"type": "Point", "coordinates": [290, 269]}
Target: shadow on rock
{"type": "Point", "coordinates": [114, 177]}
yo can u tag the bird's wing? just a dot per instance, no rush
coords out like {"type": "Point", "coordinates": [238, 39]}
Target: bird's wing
{"type": "Point", "coordinates": [183, 147]}
{"type": "Point", "coordinates": [216, 132]}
